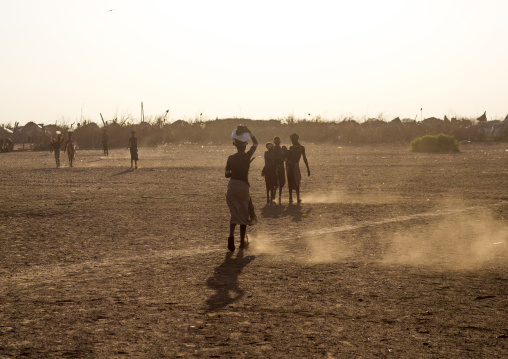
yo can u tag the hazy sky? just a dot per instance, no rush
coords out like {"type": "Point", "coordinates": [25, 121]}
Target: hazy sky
{"type": "Point", "coordinates": [63, 60]}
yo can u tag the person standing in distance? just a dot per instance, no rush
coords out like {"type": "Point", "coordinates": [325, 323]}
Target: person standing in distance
{"type": "Point", "coordinates": [105, 140]}
{"type": "Point", "coordinates": [133, 146]}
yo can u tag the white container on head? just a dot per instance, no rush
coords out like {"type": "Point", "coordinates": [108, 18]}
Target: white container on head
{"type": "Point", "coordinates": [244, 137]}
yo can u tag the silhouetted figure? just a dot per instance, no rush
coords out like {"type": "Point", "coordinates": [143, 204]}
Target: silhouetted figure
{"type": "Point", "coordinates": [105, 142]}
{"type": "Point", "coordinates": [238, 196]}
{"type": "Point", "coordinates": [295, 152]}
{"type": "Point", "coordinates": [55, 146]}
{"type": "Point", "coordinates": [133, 146]}
{"type": "Point", "coordinates": [70, 148]}
{"type": "Point", "coordinates": [270, 174]}
{"type": "Point", "coordinates": [279, 154]}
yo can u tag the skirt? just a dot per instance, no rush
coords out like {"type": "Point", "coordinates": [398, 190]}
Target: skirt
{"type": "Point", "coordinates": [281, 175]}
{"type": "Point", "coordinates": [270, 177]}
{"type": "Point", "coordinates": [294, 175]}
{"type": "Point", "coordinates": [134, 154]}
{"type": "Point", "coordinates": [240, 204]}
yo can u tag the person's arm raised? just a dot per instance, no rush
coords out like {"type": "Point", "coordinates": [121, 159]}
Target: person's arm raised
{"type": "Point", "coordinates": [254, 139]}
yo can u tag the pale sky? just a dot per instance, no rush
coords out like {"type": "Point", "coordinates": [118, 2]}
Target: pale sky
{"type": "Point", "coordinates": [63, 60]}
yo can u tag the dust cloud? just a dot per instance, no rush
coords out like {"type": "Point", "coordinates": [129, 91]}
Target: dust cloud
{"type": "Point", "coordinates": [326, 249]}
{"type": "Point", "coordinates": [337, 196]}
{"type": "Point", "coordinates": [468, 240]}
{"type": "Point", "coordinates": [457, 237]}
{"type": "Point", "coordinates": [261, 243]}
{"type": "Point", "coordinates": [329, 197]}
{"type": "Point", "coordinates": [307, 249]}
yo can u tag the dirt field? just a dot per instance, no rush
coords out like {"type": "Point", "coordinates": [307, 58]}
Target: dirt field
{"type": "Point", "coordinates": [391, 254]}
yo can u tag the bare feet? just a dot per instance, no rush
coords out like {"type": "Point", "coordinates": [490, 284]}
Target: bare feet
{"type": "Point", "coordinates": [244, 243]}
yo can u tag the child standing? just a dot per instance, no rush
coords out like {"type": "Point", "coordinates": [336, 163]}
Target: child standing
{"type": "Point", "coordinates": [270, 174]}
{"type": "Point", "coordinates": [133, 146]}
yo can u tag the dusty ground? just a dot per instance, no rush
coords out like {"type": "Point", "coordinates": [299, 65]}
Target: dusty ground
{"type": "Point", "coordinates": [391, 254]}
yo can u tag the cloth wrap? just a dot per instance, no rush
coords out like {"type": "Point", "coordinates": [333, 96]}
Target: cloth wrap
{"type": "Point", "coordinates": [281, 175]}
{"type": "Point", "coordinates": [294, 175]}
{"type": "Point", "coordinates": [271, 180]}
{"type": "Point", "coordinates": [239, 203]}
{"type": "Point", "coordinates": [70, 150]}
{"type": "Point", "coordinates": [134, 154]}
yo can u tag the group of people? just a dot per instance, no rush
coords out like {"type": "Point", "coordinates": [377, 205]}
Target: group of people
{"type": "Point", "coordinates": [280, 162]}
{"type": "Point", "coordinates": [70, 147]}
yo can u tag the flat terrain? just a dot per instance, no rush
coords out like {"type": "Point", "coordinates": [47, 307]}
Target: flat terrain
{"type": "Point", "coordinates": [391, 254]}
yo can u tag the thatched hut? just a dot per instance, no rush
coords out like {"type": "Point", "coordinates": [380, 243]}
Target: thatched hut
{"type": "Point", "coordinates": [88, 136]}
{"type": "Point", "coordinates": [6, 140]}
{"type": "Point", "coordinates": [32, 135]}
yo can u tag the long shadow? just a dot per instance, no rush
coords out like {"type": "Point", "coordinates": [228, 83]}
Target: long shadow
{"type": "Point", "coordinates": [225, 280]}
{"type": "Point", "coordinates": [295, 211]}
{"type": "Point", "coordinates": [272, 211]}
{"type": "Point", "coordinates": [124, 172]}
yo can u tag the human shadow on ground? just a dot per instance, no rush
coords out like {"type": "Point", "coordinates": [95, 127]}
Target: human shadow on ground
{"type": "Point", "coordinates": [295, 211]}
{"type": "Point", "coordinates": [124, 172]}
{"type": "Point", "coordinates": [225, 280]}
{"type": "Point", "coordinates": [272, 211]}
{"type": "Point", "coordinates": [291, 210]}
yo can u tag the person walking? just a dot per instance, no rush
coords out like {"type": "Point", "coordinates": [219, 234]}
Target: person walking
{"type": "Point", "coordinates": [295, 152]}
{"type": "Point", "coordinates": [70, 148]}
{"type": "Point", "coordinates": [133, 146]}
{"type": "Point", "coordinates": [55, 146]}
{"type": "Point", "coordinates": [237, 195]}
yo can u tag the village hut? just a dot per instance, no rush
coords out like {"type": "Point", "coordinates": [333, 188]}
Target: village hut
{"type": "Point", "coordinates": [33, 136]}
{"type": "Point", "coordinates": [88, 136]}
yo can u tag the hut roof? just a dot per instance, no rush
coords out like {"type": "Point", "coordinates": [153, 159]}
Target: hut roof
{"type": "Point", "coordinates": [5, 132]}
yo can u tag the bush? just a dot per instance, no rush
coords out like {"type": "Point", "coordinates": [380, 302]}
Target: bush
{"type": "Point", "coordinates": [438, 143]}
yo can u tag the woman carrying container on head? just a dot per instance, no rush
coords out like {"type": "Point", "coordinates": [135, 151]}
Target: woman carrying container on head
{"type": "Point", "coordinates": [238, 196]}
